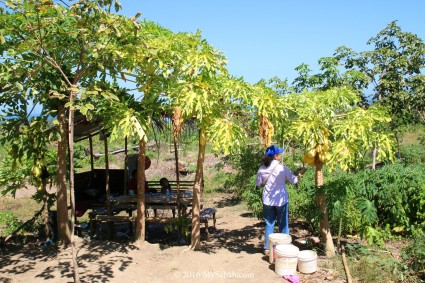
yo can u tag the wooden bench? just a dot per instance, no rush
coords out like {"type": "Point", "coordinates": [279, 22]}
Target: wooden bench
{"type": "Point", "coordinates": [205, 215]}
{"type": "Point", "coordinates": [185, 186]}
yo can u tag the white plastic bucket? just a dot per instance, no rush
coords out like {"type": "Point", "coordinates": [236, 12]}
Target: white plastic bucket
{"type": "Point", "coordinates": [307, 261]}
{"type": "Point", "coordinates": [286, 259]}
{"type": "Point", "coordinates": [277, 239]}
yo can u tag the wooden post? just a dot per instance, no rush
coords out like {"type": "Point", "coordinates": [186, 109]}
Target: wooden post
{"type": "Point", "coordinates": [108, 192]}
{"type": "Point", "coordinates": [91, 154]}
{"type": "Point", "coordinates": [125, 165]}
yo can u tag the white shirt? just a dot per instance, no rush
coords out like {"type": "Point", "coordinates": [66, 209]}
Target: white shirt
{"type": "Point", "coordinates": [274, 192]}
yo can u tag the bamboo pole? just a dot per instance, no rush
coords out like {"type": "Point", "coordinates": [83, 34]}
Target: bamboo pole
{"type": "Point", "coordinates": [125, 165]}
{"type": "Point", "coordinates": [347, 270]}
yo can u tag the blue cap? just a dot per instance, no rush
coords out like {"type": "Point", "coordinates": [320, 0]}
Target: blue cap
{"type": "Point", "coordinates": [273, 150]}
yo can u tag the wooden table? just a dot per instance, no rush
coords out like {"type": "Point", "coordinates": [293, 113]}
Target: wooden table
{"type": "Point", "coordinates": [154, 201]}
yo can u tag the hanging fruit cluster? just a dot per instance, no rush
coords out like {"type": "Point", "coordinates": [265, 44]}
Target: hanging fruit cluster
{"type": "Point", "coordinates": [177, 122]}
{"type": "Point", "coordinates": [266, 131]}
{"type": "Point", "coordinates": [317, 151]}
{"type": "Point", "coordinates": [36, 171]}
{"type": "Point", "coordinates": [270, 134]}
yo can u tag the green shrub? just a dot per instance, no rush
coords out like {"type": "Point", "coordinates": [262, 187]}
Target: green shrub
{"type": "Point", "coordinates": [396, 192]}
{"type": "Point", "coordinates": [412, 154]}
{"type": "Point", "coordinates": [8, 223]}
{"type": "Point", "coordinates": [302, 199]}
{"type": "Point", "coordinates": [246, 165]}
{"type": "Point", "coordinates": [414, 257]}
{"type": "Point", "coordinates": [253, 197]}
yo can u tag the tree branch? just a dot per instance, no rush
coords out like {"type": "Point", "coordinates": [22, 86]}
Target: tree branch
{"type": "Point", "coordinates": [48, 59]}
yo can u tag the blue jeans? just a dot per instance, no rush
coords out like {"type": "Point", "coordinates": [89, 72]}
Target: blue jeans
{"type": "Point", "coordinates": [270, 215]}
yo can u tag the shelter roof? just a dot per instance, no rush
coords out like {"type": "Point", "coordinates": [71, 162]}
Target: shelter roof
{"type": "Point", "coordinates": [83, 128]}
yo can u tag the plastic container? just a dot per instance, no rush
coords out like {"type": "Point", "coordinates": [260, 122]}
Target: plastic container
{"type": "Point", "coordinates": [277, 239]}
{"type": "Point", "coordinates": [307, 261]}
{"type": "Point", "coordinates": [286, 259]}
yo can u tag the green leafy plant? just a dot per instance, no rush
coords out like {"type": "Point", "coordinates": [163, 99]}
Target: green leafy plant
{"type": "Point", "coordinates": [253, 197]}
{"type": "Point", "coordinates": [8, 223]}
{"type": "Point", "coordinates": [246, 165]}
{"type": "Point", "coordinates": [413, 154]}
{"type": "Point", "coordinates": [181, 225]}
{"type": "Point", "coordinates": [414, 257]}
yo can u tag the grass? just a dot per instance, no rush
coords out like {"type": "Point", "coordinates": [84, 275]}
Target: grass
{"type": "Point", "coordinates": [374, 268]}
{"type": "Point", "coordinates": [22, 208]}
{"type": "Point", "coordinates": [412, 135]}
{"type": "Point", "coordinates": [333, 265]}
{"type": "Point", "coordinates": [365, 266]}
{"type": "Point", "coordinates": [15, 211]}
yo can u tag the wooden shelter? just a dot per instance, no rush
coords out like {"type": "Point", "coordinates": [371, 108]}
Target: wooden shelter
{"type": "Point", "coordinates": [93, 189]}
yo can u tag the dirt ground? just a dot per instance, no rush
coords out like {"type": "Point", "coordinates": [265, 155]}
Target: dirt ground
{"type": "Point", "coordinates": [232, 254]}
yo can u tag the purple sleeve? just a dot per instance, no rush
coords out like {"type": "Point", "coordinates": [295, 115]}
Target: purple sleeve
{"type": "Point", "coordinates": [259, 179]}
{"type": "Point", "coordinates": [291, 178]}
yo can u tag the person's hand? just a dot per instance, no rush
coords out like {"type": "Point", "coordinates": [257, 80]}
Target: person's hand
{"type": "Point", "coordinates": [302, 171]}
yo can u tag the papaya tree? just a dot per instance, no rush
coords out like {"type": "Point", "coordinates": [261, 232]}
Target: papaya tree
{"type": "Point", "coordinates": [335, 131]}
{"type": "Point", "coordinates": [270, 110]}
{"type": "Point", "coordinates": [173, 73]}
{"type": "Point", "coordinates": [76, 43]}
{"type": "Point", "coordinates": [194, 93]}
{"type": "Point", "coordinates": [130, 118]}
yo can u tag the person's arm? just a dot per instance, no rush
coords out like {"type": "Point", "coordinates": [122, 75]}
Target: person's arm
{"type": "Point", "coordinates": [259, 179]}
{"type": "Point", "coordinates": [291, 177]}
{"type": "Point", "coordinates": [299, 174]}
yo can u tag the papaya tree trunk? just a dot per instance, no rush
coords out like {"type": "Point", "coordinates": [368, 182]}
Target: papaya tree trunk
{"type": "Point", "coordinates": [196, 202]}
{"type": "Point", "coordinates": [374, 157]}
{"type": "Point", "coordinates": [177, 127]}
{"type": "Point", "coordinates": [64, 235]}
{"type": "Point", "coordinates": [324, 219]}
{"type": "Point", "coordinates": [139, 235]}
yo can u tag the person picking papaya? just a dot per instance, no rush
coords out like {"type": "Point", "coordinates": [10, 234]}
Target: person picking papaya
{"type": "Point", "coordinates": [272, 177]}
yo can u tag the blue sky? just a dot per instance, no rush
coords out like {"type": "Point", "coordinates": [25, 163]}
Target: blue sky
{"type": "Point", "coordinates": [262, 39]}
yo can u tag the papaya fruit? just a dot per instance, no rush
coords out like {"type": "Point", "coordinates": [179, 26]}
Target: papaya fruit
{"type": "Point", "coordinates": [311, 153]}
{"type": "Point", "coordinates": [308, 160]}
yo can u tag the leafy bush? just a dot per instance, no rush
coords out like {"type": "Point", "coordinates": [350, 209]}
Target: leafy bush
{"type": "Point", "coordinates": [180, 225]}
{"type": "Point", "coordinates": [13, 177]}
{"type": "Point", "coordinates": [395, 192]}
{"type": "Point", "coordinates": [302, 199]}
{"type": "Point", "coordinates": [247, 164]}
{"type": "Point", "coordinates": [217, 180]}
{"type": "Point", "coordinates": [253, 197]}
{"type": "Point", "coordinates": [412, 154]}
{"type": "Point", "coordinates": [414, 257]}
{"type": "Point", "coordinates": [8, 223]}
